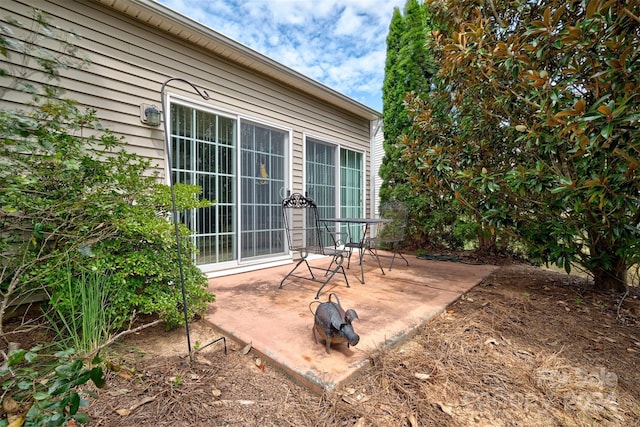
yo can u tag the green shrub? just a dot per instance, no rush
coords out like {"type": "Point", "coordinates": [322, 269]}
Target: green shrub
{"type": "Point", "coordinates": [44, 389]}
{"type": "Point", "coordinates": [84, 201]}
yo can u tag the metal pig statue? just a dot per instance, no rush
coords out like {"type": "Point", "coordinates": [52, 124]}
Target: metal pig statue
{"type": "Point", "coordinates": [333, 323]}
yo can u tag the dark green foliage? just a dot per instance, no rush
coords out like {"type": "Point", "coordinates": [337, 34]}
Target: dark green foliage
{"type": "Point", "coordinates": [83, 203]}
{"type": "Point", "coordinates": [540, 138]}
{"type": "Point", "coordinates": [408, 69]}
{"type": "Point", "coordinates": [72, 198]}
{"type": "Point", "coordinates": [46, 386]}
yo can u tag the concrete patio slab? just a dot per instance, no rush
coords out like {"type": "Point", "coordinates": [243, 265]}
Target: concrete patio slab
{"type": "Point", "coordinates": [278, 322]}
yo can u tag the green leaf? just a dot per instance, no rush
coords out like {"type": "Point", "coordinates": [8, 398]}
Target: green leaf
{"type": "Point", "coordinates": [25, 385]}
{"type": "Point", "coordinates": [68, 370]}
{"type": "Point", "coordinates": [56, 420]}
{"type": "Point", "coordinates": [65, 353]}
{"type": "Point", "coordinates": [16, 357]}
{"type": "Point", "coordinates": [59, 386]}
{"type": "Point", "coordinates": [74, 403]}
{"type": "Point", "coordinates": [82, 418]}
{"type": "Point", "coordinates": [97, 376]}
{"type": "Point", "coordinates": [558, 189]}
{"type": "Point", "coordinates": [41, 395]}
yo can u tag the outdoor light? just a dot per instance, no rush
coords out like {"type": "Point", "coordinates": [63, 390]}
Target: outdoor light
{"type": "Point", "coordinates": [149, 114]}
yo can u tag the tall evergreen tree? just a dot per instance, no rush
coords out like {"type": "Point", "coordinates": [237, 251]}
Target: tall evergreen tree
{"type": "Point", "coordinates": [408, 69]}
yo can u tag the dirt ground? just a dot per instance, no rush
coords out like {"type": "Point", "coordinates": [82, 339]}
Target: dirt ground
{"type": "Point", "coordinates": [526, 347]}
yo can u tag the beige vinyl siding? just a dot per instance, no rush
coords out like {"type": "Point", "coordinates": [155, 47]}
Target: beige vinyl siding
{"type": "Point", "coordinates": [131, 60]}
{"type": "Point", "coordinates": [376, 162]}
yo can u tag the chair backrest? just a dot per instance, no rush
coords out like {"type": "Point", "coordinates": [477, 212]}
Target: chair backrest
{"type": "Point", "coordinates": [394, 230]}
{"type": "Point", "coordinates": [300, 216]}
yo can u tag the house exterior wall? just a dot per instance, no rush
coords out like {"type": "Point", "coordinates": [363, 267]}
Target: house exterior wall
{"type": "Point", "coordinates": [131, 59]}
{"type": "Point", "coordinates": [377, 154]}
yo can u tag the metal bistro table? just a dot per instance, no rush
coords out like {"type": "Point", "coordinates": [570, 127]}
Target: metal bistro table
{"type": "Point", "coordinates": [360, 244]}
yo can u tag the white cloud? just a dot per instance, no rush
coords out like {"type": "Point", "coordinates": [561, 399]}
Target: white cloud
{"type": "Point", "coordinates": [340, 43]}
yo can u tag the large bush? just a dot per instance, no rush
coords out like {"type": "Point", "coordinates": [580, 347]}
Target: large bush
{"type": "Point", "coordinates": [82, 202]}
{"type": "Point", "coordinates": [541, 135]}
{"type": "Point", "coordinates": [73, 200]}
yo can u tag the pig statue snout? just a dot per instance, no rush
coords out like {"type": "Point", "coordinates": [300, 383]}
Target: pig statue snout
{"type": "Point", "coordinates": [333, 324]}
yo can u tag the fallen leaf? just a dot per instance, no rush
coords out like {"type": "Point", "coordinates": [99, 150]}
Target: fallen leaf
{"type": "Point", "coordinates": [385, 408]}
{"type": "Point", "coordinates": [9, 405]}
{"type": "Point", "coordinates": [123, 412]}
{"type": "Point", "coordinates": [421, 376]}
{"type": "Point", "coordinates": [446, 409]}
{"type": "Point", "coordinates": [360, 423]}
{"type": "Point", "coordinates": [491, 341]}
{"type": "Point", "coordinates": [120, 392]}
{"type": "Point", "coordinates": [125, 374]}
{"type": "Point", "coordinates": [349, 400]}
{"type": "Point", "coordinates": [231, 402]}
{"type": "Point", "coordinates": [349, 390]}
{"type": "Point", "coordinates": [144, 401]}
{"type": "Point", "coordinates": [246, 349]}
{"type": "Point", "coordinates": [15, 421]}
{"type": "Point", "coordinates": [215, 392]}
{"type": "Point", "coordinates": [203, 360]}
{"type": "Point", "coordinates": [413, 420]}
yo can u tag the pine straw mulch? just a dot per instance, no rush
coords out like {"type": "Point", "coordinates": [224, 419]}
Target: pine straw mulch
{"type": "Point", "coordinates": [525, 347]}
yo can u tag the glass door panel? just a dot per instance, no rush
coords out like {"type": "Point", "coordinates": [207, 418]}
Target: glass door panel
{"type": "Point", "coordinates": [203, 153]}
{"type": "Point", "coordinates": [263, 170]}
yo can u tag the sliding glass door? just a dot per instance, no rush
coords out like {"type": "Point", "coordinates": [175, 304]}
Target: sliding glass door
{"type": "Point", "coordinates": [204, 152]}
{"type": "Point", "coordinates": [329, 168]}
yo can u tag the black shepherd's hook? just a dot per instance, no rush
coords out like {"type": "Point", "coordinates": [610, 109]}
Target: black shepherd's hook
{"type": "Point", "coordinates": [203, 93]}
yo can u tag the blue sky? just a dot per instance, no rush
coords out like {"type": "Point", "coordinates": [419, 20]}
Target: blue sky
{"type": "Point", "coordinates": [339, 43]}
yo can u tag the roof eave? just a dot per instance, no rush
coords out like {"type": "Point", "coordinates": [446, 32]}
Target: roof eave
{"type": "Point", "coordinates": [155, 14]}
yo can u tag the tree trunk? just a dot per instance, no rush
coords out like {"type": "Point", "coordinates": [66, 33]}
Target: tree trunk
{"type": "Point", "coordinates": [613, 278]}
{"type": "Point", "coordinates": [486, 237]}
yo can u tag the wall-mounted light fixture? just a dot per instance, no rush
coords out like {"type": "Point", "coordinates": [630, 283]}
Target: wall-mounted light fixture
{"type": "Point", "coordinates": [149, 115]}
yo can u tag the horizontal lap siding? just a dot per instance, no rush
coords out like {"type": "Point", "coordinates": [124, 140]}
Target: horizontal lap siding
{"type": "Point", "coordinates": [131, 60]}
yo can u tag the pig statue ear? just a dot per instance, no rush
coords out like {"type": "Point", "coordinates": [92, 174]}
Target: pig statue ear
{"type": "Point", "coordinates": [350, 315]}
{"type": "Point", "coordinates": [336, 321]}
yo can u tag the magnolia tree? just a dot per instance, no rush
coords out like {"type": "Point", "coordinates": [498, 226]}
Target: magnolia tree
{"type": "Point", "coordinates": [540, 132]}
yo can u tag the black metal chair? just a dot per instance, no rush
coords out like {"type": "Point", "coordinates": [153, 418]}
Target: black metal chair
{"type": "Point", "coordinates": [391, 234]}
{"type": "Point", "coordinates": [307, 236]}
